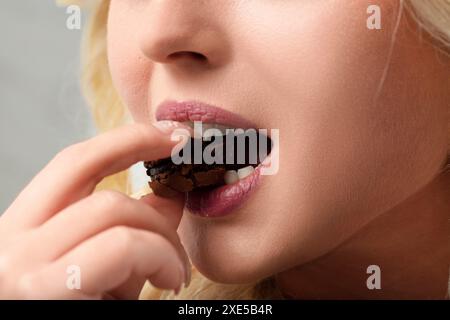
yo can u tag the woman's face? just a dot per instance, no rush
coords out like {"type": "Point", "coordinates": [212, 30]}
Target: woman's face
{"type": "Point", "coordinates": [311, 69]}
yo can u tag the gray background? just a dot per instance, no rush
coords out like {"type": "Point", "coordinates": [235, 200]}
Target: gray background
{"type": "Point", "coordinates": [41, 108]}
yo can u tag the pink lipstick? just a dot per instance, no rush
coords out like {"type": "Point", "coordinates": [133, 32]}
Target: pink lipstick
{"type": "Point", "coordinates": [225, 199]}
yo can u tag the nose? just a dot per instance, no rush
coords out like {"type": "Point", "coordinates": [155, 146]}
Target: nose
{"type": "Point", "coordinates": [184, 32]}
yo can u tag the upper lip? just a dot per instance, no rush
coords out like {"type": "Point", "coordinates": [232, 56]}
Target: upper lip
{"type": "Point", "coordinates": [198, 111]}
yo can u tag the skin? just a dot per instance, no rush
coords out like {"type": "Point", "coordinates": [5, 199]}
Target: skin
{"type": "Point", "coordinates": [360, 179]}
{"type": "Point", "coordinates": [349, 152]}
{"type": "Point", "coordinates": [138, 241]}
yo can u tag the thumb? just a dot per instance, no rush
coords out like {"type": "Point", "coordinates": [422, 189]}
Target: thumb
{"type": "Point", "coordinates": [170, 208]}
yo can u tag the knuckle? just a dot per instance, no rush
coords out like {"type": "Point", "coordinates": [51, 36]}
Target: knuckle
{"type": "Point", "coordinates": [69, 153]}
{"type": "Point", "coordinates": [139, 136]}
{"type": "Point", "coordinates": [140, 131]}
{"type": "Point", "coordinates": [158, 240]}
{"type": "Point", "coordinates": [109, 199]}
{"type": "Point", "coordinates": [124, 237]}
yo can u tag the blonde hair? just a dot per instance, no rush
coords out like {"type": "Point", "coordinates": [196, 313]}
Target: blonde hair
{"type": "Point", "coordinates": [109, 111]}
{"type": "Point", "coordinates": [434, 17]}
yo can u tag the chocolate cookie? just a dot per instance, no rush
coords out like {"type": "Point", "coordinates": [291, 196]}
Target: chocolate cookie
{"type": "Point", "coordinates": [168, 179]}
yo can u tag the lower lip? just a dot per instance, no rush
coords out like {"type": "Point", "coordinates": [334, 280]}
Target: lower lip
{"type": "Point", "coordinates": [222, 201]}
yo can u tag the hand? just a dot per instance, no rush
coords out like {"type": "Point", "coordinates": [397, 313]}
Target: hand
{"type": "Point", "coordinates": [117, 242]}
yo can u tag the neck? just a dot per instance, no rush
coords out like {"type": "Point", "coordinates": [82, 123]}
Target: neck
{"type": "Point", "coordinates": [409, 243]}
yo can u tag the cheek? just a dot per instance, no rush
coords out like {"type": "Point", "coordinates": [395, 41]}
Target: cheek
{"type": "Point", "coordinates": [315, 46]}
{"type": "Point", "coordinates": [325, 70]}
{"type": "Point", "coordinates": [130, 69]}
{"type": "Point", "coordinates": [343, 159]}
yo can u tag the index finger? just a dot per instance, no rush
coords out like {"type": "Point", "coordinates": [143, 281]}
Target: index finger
{"type": "Point", "coordinates": [74, 172]}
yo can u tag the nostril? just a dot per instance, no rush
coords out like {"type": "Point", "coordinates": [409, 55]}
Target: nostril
{"type": "Point", "coordinates": [188, 54]}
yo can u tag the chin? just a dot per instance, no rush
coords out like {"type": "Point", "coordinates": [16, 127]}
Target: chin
{"type": "Point", "coordinates": [221, 257]}
{"type": "Point", "coordinates": [228, 268]}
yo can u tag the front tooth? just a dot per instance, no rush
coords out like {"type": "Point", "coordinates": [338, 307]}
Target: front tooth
{"type": "Point", "coordinates": [245, 172]}
{"type": "Point", "coordinates": [188, 123]}
{"type": "Point", "coordinates": [211, 132]}
{"type": "Point", "coordinates": [222, 128]}
{"type": "Point", "coordinates": [217, 130]}
{"type": "Point", "coordinates": [231, 176]}
{"type": "Point", "coordinates": [207, 126]}
{"type": "Point", "coordinates": [198, 128]}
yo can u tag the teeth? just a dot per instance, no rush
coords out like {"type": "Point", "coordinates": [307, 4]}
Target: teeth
{"type": "Point", "coordinates": [188, 123]}
{"type": "Point", "coordinates": [245, 172]}
{"type": "Point", "coordinates": [212, 132]}
{"type": "Point", "coordinates": [205, 128]}
{"type": "Point", "coordinates": [231, 176]}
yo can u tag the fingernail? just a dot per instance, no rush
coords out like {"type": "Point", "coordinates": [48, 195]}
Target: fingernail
{"type": "Point", "coordinates": [187, 281]}
{"type": "Point", "coordinates": [167, 126]}
{"type": "Point", "coordinates": [177, 290]}
{"type": "Point", "coordinates": [181, 278]}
